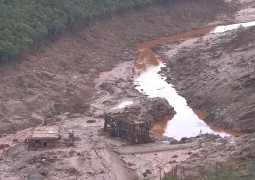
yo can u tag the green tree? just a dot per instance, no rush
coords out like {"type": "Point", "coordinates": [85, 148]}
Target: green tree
{"type": "Point", "coordinates": [26, 22]}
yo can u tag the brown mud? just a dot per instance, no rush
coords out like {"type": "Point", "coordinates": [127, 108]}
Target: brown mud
{"type": "Point", "coordinates": [215, 73]}
{"type": "Point", "coordinates": [73, 81]}
{"type": "Point", "coordinates": [160, 126]}
{"type": "Point", "coordinates": [60, 77]}
{"type": "Point", "coordinates": [148, 57]}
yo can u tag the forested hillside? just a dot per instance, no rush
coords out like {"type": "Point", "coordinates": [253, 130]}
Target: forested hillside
{"type": "Point", "coordinates": [26, 22]}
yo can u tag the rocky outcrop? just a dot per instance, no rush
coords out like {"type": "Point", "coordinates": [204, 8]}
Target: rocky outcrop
{"type": "Point", "coordinates": [158, 108]}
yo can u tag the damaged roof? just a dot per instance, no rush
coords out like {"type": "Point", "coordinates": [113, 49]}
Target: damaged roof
{"type": "Point", "coordinates": [46, 132]}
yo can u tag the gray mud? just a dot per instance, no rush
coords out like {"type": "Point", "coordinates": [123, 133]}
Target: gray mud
{"type": "Point", "coordinates": [215, 73]}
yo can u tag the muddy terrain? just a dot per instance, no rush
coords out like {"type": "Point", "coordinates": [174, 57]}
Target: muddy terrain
{"type": "Point", "coordinates": [61, 77]}
{"type": "Point", "coordinates": [215, 73]}
{"type": "Point", "coordinates": [72, 82]}
{"type": "Point", "coordinates": [220, 159]}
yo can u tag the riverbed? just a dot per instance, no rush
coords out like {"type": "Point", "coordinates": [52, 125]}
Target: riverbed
{"type": "Point", "coordinates": [149, 81]}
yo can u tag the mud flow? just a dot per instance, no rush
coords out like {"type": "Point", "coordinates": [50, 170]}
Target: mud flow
{"type": "Point", "coordinates": [186, 122]}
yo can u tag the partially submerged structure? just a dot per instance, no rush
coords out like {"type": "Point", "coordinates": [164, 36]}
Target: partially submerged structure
{"type": "Point", "coordinates": [43, 137]}
{"type": "Point", "coordinates": [128, 125]}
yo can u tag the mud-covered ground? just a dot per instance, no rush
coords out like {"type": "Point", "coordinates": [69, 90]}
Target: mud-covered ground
{"type": "Point", "coordinates": [230, 158]}
{"type": "Point", "coordinates": [70, 83]}
{"type": "Point", "coordinates": [216, 74]}
{"type": "Point", "coordinates": [61, 77]}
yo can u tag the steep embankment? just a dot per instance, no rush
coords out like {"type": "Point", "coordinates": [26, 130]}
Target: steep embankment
{"type": "Point", "coordinates": [59, 77]}
{"type": "Point", "coordinates": [216, 74]}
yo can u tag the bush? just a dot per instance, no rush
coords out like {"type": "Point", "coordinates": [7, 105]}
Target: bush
{"type": "Point", "coordinates": [170, 177]}
{"type": "Point", "coordinates": [227, 173]}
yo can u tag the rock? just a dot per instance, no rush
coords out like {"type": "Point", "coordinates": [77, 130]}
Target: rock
{"type": "Point", "coordinates": [158, 108]}
{"type": "Point", "coordinates": [71, 152]}
{"type": "Point", "coordinates": [148, 171]}
{"type": "Point", "coordinates": [185, 140]}
{"type": "Point", "coordinates": [172, 162]}
{"type": "Point", "coordinates": [3, 146]}
{"type": "Point", "coordinates": [107, 87]}
{"type": "Point", "coordinates": [36, 117]}
{"type": "Point", "coordinates": [102, 172]}
{"type": "Point", "coordinates": [36, 176]}
{"type": "Point", "coordinates": [91, 121]}
{"type": "Point", "coordinates": [175, 156]}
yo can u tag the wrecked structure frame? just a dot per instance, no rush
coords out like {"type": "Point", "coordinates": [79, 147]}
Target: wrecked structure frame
{"type": "Point", "coordinates": [119, 125]}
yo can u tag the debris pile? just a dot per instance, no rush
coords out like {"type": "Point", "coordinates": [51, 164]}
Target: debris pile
{"type": "Point", "coordinates": [128, 126]}
{"type": "Point", "coordinates": [133, 123]}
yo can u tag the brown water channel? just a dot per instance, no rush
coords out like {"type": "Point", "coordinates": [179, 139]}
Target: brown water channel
{"type": "Point", "coordinates": [186, 122]}
{"type": "Point", "coordinates": [148, 58]}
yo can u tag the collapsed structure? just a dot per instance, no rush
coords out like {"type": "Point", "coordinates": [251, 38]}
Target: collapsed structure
{"type": "Point", "coordinates": [128, 125]}
{"type": "Point", "coordinates": [43, 137]}
{"type": "Point", "coordinates": [133, 123]}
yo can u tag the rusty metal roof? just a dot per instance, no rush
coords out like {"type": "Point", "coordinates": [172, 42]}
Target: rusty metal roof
{"type": "Point", "coordinates": [46, 132]}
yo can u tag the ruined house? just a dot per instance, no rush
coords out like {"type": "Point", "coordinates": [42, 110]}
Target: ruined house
{"type": "Point", "coordinates": [43, 137]}
{"type": "Point", "coordinates": [129, 125]}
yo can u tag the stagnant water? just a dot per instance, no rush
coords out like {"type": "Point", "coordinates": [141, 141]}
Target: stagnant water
{"type": "Point", "coordinates": [123, 104]}
{"type": "Point", "coordinates": [186, 123]}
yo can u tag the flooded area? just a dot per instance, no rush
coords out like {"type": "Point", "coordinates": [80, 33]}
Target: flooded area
{"type": "Point", "coordinates": [78, 79]}
{"type": "Point", "coordinates": [123, 104]}
{"type": "Point", "coordinates": [186, 122]}
{"type": "Point", "coordinates": [221, 29]}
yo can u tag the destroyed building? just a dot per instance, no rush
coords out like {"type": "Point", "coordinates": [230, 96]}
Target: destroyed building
{"type": "Point", "coordinates": [129, 125]}
{"type": "Point", "coordinates": [133, 123]}
{"type": "Point", "coordinates": [43, 137]}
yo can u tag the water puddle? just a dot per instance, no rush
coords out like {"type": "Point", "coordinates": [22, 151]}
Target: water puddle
{"type": "Point", "coordinates": [123, 105]}
{"type": "Point", "coordinates": [221, 29]}
{"type": "Point", "coordinates": [186, 122]}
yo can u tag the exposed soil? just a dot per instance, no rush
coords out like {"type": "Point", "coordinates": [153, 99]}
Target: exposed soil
{"type": "Point", "coordinates": [215, 73]}
{"type": "Point", "coordinates": [60, 77]}
{"type": "Point", "coordinates": [72, 82]}
{"type": "Point", "coordinates": [233, 157]}
{"type": "Point", "coordinates": [90, 157]}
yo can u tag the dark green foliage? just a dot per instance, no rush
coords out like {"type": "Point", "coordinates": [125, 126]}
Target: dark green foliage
{"type": "Point", "coordinates": [170, 177]}
{"type": "Point", "coordinates": [220, 173]}
{"type": "Point", "coordinates": [26, 22]}
{"type": "Point", "coordinates": [227, 173]}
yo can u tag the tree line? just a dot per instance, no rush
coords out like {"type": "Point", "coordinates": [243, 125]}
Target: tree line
{"type": "Point", "coordinates": [24, 23]}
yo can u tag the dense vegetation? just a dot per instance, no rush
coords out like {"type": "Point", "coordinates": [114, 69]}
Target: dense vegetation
{"type": "Point", "coordinates": [228, 172]}
{"type": "Point", "coordinates": [24, 23]}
